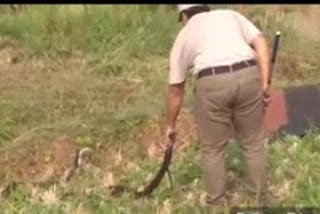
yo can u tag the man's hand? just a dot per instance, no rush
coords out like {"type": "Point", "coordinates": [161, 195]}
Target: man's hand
{"type": "Point", "coordinates": [170, 135]}
{"type": "Point", "coordinates": [266, 95]}
{"type": "Point", "coordinates": [261, 47]}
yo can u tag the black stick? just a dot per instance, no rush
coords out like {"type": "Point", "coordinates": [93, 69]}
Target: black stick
{"type": "Point", "coordinates": [274, 54]}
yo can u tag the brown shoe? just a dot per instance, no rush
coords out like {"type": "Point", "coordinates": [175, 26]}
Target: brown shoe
{"type": "Point", "coordinates": [216, 207]}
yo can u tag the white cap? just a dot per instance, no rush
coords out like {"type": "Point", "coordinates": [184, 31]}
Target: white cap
{"type": "Point", "coordinates": [182, 7]}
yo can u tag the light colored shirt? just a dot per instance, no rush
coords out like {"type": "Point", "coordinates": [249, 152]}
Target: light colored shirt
{"type": "Point", "coordinates": [219, 37]}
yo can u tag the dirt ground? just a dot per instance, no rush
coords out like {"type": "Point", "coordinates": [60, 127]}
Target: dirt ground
{"type": "Point", "coordinates": [38, 163]}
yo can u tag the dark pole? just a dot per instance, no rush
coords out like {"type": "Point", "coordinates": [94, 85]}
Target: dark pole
{"type": "Point", "coordinates": [274, 54]}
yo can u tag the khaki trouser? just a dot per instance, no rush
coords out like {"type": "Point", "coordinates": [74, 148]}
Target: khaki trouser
{"type": "Point", "coordinates": [223, 103]}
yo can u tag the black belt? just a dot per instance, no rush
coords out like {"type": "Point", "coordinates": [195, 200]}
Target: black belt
{"type": "Point", "coordinates": [226, 68]}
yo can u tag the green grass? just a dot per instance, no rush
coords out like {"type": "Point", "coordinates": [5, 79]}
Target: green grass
{"type": "Point", "coordinates": [290, 160]}
{"type": "Point", "coordinates": [64, 29]}
{"type": "Point", "coordinates": [100, 77]}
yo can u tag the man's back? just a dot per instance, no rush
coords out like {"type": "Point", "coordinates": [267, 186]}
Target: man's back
{"type": "Point", "coordinates": [214, 38]}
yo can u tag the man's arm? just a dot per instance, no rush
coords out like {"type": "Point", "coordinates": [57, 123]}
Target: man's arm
{"type": "Point", "coordinates": [179, 64]}
{"type": "Point", "coordinates": [175, 99]}
{"type": "Point", "coordinates": [255, 38]}
{"type": "Point", "coordinates": [260, 46]}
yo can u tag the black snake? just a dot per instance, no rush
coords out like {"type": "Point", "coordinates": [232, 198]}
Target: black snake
{"type": "Point", "coordinates": [118, 190]}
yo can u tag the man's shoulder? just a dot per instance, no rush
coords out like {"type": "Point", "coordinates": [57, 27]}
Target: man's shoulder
{"type": "Point", "coordinates": [217, 13]}
{"type": "Point", "coordinates": [181, 32]}
{"type": "Point", "coordinates": [224, 11]}
{"type": "Point", "coordinates": [180, 38]}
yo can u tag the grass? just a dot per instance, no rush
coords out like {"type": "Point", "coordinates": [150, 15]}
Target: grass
{"type": "Point", "coordinates": [291, 162]}
{"type": "Point", "coordinates": [99, 76]}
